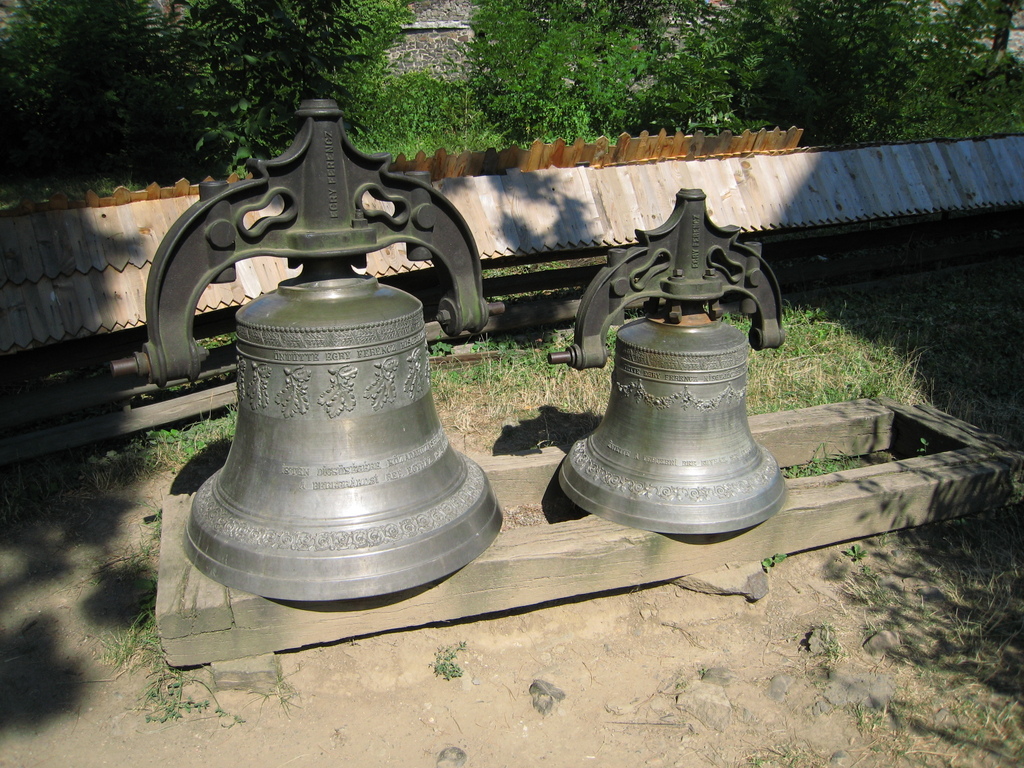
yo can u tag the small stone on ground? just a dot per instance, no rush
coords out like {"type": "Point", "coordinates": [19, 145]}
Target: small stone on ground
{"type": "Point", "coordinates": [707, 703]}
{"type": "Point", "coordinates": [545, 695]}
{"type": "Point", "coordinates": [868, 690]}
{"type": "Point", "coordinates": [451, 757]}
{"type": "Point", "coordinates": [747, 579]}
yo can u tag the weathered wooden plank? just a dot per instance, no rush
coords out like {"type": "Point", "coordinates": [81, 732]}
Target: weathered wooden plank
{"type": "Point", "coordinates": [884, 187]}
{"type": "Point", "coordinates": [48, 402]}
{"type": "Point", "coordinates": [942, 186]}
{"type": "Point", "coordinates": [45, 299]}
{"type": "Point", "coordinates": [830, 182]}
{"type": "Point", "coordinates": [111, 238]}
{"type": "Point", "coordinates": [923, 429]}
{"type": "Point", "coordinates": [763, 201]}
{"type": "Point", "coordinates": [51, 243]}
{"type": "Point", "coordinates": [810, 187]}
{"type": "Point", "coordinates": [999, 190]}
{"type": "Point", "coordinates": [616, 201]}
{"type": "Point", "coordinates": [198, 605]}
{"type": "Point", "coordinates": [960, 177]}
{"type": "Point", "coordinates": [587, 224]}
{"type": "Point", "coordinates": [648, 212]}
{"type": "Point", "coordinates": [794, 437]}
{"type": "Point", "coordinates": [535, 565]}
{"type": "Point", "coordinates": [552, 205]}
{"type": "Point", "coordinates": [12, 307]}
{"type": "Point", "coordinates": [912, 184]}
{"type": "Point", "coordinates": [970, 160]}
{"type": "Point", "coordinates": [790, 189]}
{"type": "Point", "coordinates": [1011, 150]}
{"type": "Point", "coordinates": [41, 442]}
{"type": "Point", "coordinates": [770, 180]}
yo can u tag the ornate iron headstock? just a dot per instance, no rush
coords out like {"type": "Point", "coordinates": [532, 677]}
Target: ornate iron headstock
{"type": "Point", "coordinates": [311, 207]}
{"type": "Point", "coordinates": [685, 265]}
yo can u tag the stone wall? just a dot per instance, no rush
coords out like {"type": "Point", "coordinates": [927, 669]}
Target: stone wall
{"type": "Point", "coordinates": [434, 41]}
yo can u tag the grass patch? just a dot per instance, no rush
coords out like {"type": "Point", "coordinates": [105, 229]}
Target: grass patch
{"type": "Point", "coordinates": [822, 464]}
{"type": "Point", "coordinates": [30, 489]}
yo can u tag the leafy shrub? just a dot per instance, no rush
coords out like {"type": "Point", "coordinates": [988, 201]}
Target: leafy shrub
{"type": "Point", "coordinates": [257, 59]}
{"type": "Point", "coordinates": [90, 84]}
{"type": "Point", "coordinates": [846, 70]}
{"type": "Point", "coordinates": [416, 111]}
{"type": "Point", "coordinates": [553, 69]}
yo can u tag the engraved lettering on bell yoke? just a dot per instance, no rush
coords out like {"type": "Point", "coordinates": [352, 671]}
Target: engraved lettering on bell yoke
{"type": "Point", "coordinates": [332, 192]}
{"type": "Point", "coordinates": [210, 514]}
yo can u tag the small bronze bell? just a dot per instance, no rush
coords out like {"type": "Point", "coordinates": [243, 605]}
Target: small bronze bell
{"type": "Point", "coordinates": [674, 453]}
{"type": "Point", "coordinates": [340, 482]}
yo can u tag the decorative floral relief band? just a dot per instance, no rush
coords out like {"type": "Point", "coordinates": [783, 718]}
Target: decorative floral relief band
{"type": "Point", "coordinates": [586, 465]}
{"type": "Point", "coordinates": [682, 397]}
{"type": "Point", "coordinates": [335, 389]}
{"type": "Point", "coordinates": [211, 517]}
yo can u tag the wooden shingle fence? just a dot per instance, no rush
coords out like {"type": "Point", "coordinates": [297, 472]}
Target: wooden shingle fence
{"type": "Point", "coordinates": [79, 272]}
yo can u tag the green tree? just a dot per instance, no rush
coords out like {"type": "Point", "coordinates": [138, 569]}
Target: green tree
{"type": "Point", "coordinates": [846, 70]}
{"type": "Point", "coordinates": [90, 84]}
{"type": "Point", "coordinates": [556, 68]}
{"type": "Point", "coordinates": [969, 85]}
{"type": "Point", "coordinates": [255, 60]}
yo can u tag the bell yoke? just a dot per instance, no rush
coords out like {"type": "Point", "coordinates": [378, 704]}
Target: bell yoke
{"type": "Point", "coordinates": [674, 453]}
{"type": "Point", "coordinates": [340, 482]}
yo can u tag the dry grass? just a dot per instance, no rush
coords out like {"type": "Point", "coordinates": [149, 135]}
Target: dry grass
{"type": "Point", "coordinates": [518, 402]}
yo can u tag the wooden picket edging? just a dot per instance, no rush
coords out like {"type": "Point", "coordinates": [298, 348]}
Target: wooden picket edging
{"type": "Point", "coordinates": [601, 153]}
{"type": "Point", "coordinates": [121, 196]}
{"type": "Point", "coordinates": [200, 621]}
{"type": "Point", "coordinates": [443, 164]}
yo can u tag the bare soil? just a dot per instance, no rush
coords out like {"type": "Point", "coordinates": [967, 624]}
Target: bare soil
{"type": "Point", "coordinates": [659, 676]}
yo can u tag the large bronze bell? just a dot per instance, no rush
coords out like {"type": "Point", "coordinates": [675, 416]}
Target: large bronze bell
{"type": "Point", "coordinates": [340, 482]}
{"type": "Point", "coordinates": [674, 453]}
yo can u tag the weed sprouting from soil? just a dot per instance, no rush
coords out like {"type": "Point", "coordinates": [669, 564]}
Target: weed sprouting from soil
{"type": "Point", "coordinates": [822, 463]}
{"type": "Point", "coordinates": [445, 664]}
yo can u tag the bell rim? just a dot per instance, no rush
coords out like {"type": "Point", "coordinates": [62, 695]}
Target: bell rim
{"type": "Point", "coordinates": [299, 575]}
{"type": "Point", "coordinates": [656, 517]}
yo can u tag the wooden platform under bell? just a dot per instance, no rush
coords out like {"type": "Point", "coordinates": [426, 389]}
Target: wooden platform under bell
{"type": "Point", "coordinates": [952, 469]}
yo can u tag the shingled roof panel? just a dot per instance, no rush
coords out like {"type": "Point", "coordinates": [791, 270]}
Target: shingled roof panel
{"type": "Point", "coordinates": [74, 272]}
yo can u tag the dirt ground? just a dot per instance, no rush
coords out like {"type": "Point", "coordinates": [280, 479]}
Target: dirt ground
{"type": "Point", "coordinates": [660, 676]}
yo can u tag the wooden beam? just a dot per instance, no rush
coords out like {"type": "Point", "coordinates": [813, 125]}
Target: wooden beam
{"type": "Point", "coordinates": [200, 621]}
{"type": "Point", "coordinates": [44, 441]}
{"type": "Point", "coordinates": [853, 428]}
{"type": "Point", "coordinates": [47, 402]}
